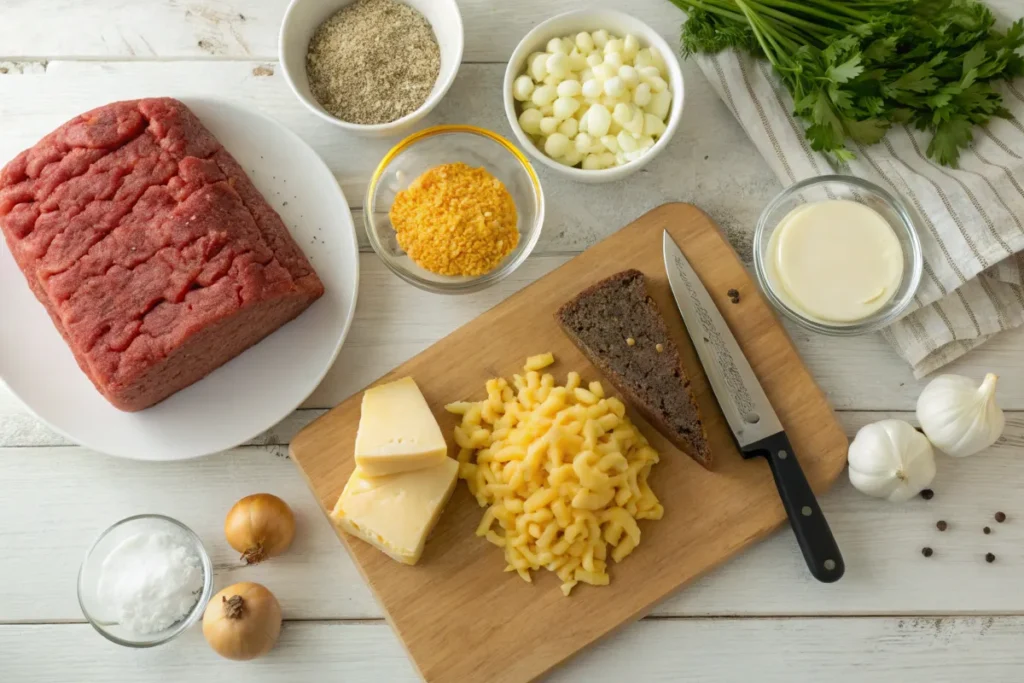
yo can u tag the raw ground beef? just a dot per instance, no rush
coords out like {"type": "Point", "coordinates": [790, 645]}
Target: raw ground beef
{"type": "Point", "coordinates": [154, 254]}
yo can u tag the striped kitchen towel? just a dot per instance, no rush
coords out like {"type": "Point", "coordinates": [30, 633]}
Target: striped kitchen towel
{"type": "Point", "coordinates": [970, 219]}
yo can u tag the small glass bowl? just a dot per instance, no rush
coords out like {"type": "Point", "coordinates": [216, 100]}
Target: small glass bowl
{"type": "Point", "coordinates": [863, 192]}
{"type": "Point", "coordinates": [444, 145]}
{"type": "Point", "coordinates": [88, 581]}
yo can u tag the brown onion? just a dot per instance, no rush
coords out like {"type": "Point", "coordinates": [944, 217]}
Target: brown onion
{"type": "Point", "coordinates": [260, 526]}
{"type": "Point", "coordinates": [242, 621]}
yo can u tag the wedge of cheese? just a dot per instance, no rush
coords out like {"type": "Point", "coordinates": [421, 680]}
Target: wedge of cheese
{"type": "Point", "coordinates": [395, 513]}
{"type": "Point", "coordinates": [397, 432]}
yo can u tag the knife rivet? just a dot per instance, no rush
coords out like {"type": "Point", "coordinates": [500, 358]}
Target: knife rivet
{"type": "Point", "coordinates": [783, 455]}
{"type": "Point", "coordinates": [830, 565]}
{"type": "Point", "coordinates": [805, 511]}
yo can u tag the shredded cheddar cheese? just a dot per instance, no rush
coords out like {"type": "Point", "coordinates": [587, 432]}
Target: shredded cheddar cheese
{"type": "Point", "coordinates": [456, 220]}
{"type": "Point", "coordinates": [561, 471]}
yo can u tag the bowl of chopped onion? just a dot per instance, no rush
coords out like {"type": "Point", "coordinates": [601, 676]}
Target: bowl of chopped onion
{"type": "Point", "coordinates": [454, 209]}
{"type": "Point", "coordinates": [594, 95]}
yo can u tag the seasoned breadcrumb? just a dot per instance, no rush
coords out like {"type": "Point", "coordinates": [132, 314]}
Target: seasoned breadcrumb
{"type": "Point", "coordinates": [456, 220]}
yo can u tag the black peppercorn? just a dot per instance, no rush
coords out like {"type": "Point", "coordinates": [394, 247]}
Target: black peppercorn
{"type": "Point", "coordinates": [987, 530]}
{"type": "Point", "coordinates": [927, 552]}
{"type": "Point", "coordinates": [927, 494]}
{"type": "Point", "coordinates": [941, 525]}
{"type": "Point", "coordinates": [990, 558]}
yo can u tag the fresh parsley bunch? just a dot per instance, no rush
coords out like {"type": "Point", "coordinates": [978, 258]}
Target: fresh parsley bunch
{"type": "Point", "coordinates": [856, 67]}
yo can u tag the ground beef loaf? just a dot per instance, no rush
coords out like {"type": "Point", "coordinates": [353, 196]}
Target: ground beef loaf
{"type": "Point", "coordinates": [155, 256]}
{"type": "Point", "coordinates": [618, 327]}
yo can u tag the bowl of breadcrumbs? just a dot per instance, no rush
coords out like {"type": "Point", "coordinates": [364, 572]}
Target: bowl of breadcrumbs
{"type": "Point", "coordinates": [454, 209]}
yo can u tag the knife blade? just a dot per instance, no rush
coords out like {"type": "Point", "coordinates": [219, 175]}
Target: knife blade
{"type": "Point", "coordinates": [749, 413]}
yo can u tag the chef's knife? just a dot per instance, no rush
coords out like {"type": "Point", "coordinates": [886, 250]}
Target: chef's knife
{"type": "Point", "coordinates": [750, 416]}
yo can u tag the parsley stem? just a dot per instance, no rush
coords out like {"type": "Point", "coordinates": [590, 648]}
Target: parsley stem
{"type": "Point", "coordinates": [712, 6]}
{"type": "Point", "coordinates": [762, 38]}
{"type": "Point", "coordinates": [783, 37]}
{"type": "Point", "coordinates": [796, 22]}
{"type": "Point", "coordinates": [827, 10]}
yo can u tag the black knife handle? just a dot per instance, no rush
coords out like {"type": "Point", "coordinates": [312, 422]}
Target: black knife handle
{"type": "Point", "coordinates": [809, 524]}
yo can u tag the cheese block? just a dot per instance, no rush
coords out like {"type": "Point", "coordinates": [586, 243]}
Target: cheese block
{"type": "Point", "coordinates": [397, 432]}
{"type": "Point", "coordinates": [396, 513]}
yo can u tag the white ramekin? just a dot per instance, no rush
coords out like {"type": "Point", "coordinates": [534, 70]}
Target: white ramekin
{"type": "Point", "coordinates": [303, 17]}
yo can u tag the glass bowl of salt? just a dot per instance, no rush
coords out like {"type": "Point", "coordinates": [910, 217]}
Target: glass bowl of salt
{"type": "Point", "coordinates": [145, 580]}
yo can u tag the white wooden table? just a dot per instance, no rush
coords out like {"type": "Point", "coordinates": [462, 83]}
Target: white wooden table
{"type": "Point", "coordinates": [896, 616]}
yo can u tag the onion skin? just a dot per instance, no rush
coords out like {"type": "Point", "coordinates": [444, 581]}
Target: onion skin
{"type": "Point", "coordinates": [242, 622]}
{"type": "Point", "coordinates": [260, 526]}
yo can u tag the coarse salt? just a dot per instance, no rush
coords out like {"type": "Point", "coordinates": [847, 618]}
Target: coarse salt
{"type": "Point", "coordinates": [151, 580]}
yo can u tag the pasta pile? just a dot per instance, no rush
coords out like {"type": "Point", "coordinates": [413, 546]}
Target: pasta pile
{"type": "Point", "coordinates": [561, 470]}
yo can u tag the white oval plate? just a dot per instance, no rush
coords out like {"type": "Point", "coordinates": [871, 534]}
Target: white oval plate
{"type": "Point", "coordinates": [254, 391]}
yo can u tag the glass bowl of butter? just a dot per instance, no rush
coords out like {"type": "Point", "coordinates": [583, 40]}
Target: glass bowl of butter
{"type": "Point", "coordinates": [839, 255]}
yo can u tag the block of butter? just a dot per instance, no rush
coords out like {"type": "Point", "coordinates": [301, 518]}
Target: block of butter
{"type": "Point", "coordinates": [395, 513]}
{"type": "Point", "coordinates": [397, 432]}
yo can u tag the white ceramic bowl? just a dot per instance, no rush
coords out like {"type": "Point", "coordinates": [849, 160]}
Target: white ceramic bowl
{"type": "Point", "coordinates": [303, 17]}
{"type": "Point", "coordinates": [571, 23]}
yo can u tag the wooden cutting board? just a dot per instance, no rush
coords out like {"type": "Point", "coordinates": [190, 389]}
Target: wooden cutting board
{"type": "Point", "coordinates": [461, 617]}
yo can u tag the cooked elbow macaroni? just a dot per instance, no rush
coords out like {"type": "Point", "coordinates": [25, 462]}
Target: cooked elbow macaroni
{"type": "Point", "coordinates": [561, 470]}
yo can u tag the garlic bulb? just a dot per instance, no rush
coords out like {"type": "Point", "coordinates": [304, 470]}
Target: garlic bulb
{"type": "Point", "coordinates": [890, 459]}
{"type": "Point", "coordinates": [959, 417]}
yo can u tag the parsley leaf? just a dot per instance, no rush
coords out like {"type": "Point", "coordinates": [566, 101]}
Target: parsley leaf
{"type": "Point", "coordinates": [845, 72]}
{"type": "Point", "coordinates": [855, 68]}
{"type": "Point", "coordinates": [866, 131]}
{"type": "Point", "coordinates": [949, 137]}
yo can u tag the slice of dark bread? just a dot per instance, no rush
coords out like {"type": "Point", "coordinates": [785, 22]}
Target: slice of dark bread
{"type": "Point", "coordinates": [601, 320]}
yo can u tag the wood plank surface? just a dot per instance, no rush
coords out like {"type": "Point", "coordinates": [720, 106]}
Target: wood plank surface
{"type": "Point", "coordinates": [837, 650]}
{"type": "Point", "coordinates": [709, 159]}
{"type": "Point", "coordinates": [395, 321]}
{"type": "Point", "coordinates": [886, 574]}
{"type": "Point", "coordinates": [456, 612]}
{"type": "Point", "coordinates": [57, 56]}
{"type": "Point", "coordinates": [248, 29]}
